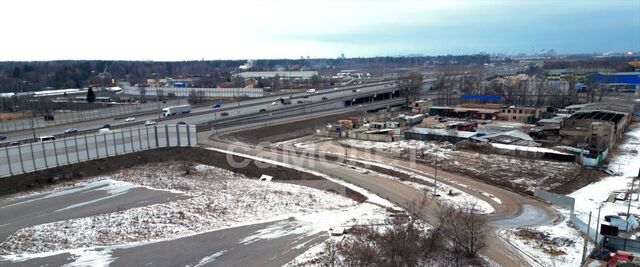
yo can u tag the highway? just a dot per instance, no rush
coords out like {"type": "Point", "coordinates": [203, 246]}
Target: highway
{"type": "Point", "coordinates": [206, 114]}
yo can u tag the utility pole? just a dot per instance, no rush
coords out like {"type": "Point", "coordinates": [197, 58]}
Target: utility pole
{"type": "Point", "coordinates": [435, 176]}
{"type": "Point", "coordinates": [633, 180]}
{"type": "Point", "coordinates": [584, 248]}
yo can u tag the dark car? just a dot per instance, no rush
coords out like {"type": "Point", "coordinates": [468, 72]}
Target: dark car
{"type": "Point", "coordinates": [2, 137]}
{"type": "Point", "coordinates": [609, 217]}
{"type": "Point", "coordinates": [305, 96]}
{"type": "Point", "coordinates": [108, 126]}
{"type": "Point", "coordinates": [181, 123]}
{"type": "Point", "coordinates": [263, 110]}
{"type": "Point", "coordinates": [224, 114]}
{"type": "Point", "coordinates": [71, 130]}
{"type": "Point", "coordinates": [324, 98]}
{"type": "Point", "coordinates": [299, 101]}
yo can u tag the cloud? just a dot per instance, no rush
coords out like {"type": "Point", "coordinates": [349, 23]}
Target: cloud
{"type": "Point", "coordinates": [191, 29]}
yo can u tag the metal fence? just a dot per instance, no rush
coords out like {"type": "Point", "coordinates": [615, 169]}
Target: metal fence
{"type": "Point", "coordinates": [569, 203]}
{"type": "Point", "coordinates": [43, 155]}
{"type": "Point", "coordinates": [205, 92]}
{"type": "Point", "coordinates": [87, 115]}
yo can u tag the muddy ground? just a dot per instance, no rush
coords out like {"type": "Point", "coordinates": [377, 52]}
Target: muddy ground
{"type": "Point", "coordinates": [282, 132]}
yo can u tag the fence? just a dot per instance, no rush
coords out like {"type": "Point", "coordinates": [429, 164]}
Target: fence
{"type": "Point", "coordinates": [43, 155]}
{"type": "Point", "coordinates": [22, 124]}
{"type": "Point", "coordinates": [569, 203]}
{"type": "Point", "coordinates": [87, 115]}
{"type": "Point", "coordinates": [205, 92]}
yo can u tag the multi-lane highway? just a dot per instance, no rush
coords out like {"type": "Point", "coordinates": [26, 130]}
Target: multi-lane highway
{"type": "Point", "coordinates": [327, 98]}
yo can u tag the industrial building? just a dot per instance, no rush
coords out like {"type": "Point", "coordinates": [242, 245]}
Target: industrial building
{"type": "Point", "coordinates": [300, 74]}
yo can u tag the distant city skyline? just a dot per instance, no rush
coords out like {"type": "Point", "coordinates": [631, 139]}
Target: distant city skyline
{"type": "Point", "coordinates": [250, 29]}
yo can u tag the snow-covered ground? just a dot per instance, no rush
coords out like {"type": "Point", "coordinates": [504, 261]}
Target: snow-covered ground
{"type": "Point", "coordinates": [232, 200]}
{"type": "Point", "coordinates": [561, 244]}
{"type": "Point", "coordinates": [590, 197]}
{"type": "Point", "coordinates": [523, 172]}
{"type": "Point", "coordinates": [548, 245]}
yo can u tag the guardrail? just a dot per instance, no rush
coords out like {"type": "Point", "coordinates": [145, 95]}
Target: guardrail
{"type": "Point", "coordinates": [49, 154]}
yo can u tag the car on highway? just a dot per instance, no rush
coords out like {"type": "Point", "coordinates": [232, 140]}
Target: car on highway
{"type": "Point", "coordinates": [216, 105]}
{"type": "Point", "coordinates": [299, 101]}
{"type": "Point", "coordinates": [2, 137]}
{"type": "Point", "coordinates": [16, 143]}
{"type": "Point", "coordinates": [46, 138]}
{"type": "Point", "coordinates": [130, 119]}
{"type": "Point", "coordinates": [305, 96]}
{"type": "Point", "coordinates": [263, 110]}
{"type": "Point", "coordinates": [224, 114]}
{"type": "Point", "coordinates": [324, 98]}
{"type": "Point", "coordinates": [181, 123]}
{"type": "Point", "coordinates": [274, 103]}
{"type": "Point", "coordinates": [108, 126]}
{"type": "Point", "coordinates": [149, 123]}
{"type": "Point", "coordinates": [355, 90]}
{"type": "Point", "coordinates": [71, 130]}
{"type": "Point", "coordinates": [311, 91]}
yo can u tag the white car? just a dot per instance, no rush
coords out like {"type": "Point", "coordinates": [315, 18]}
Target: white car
{"type": "Point", "coordinates": [130, 119]}
{"type": "Point", "coordinates": [274, 103]}
{"type": "Point", "coordinates": [149, 123]}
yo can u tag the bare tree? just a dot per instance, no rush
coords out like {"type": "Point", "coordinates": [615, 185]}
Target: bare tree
{"type": "Point", "coordinates": [196, 97]}
{"type": "Point", "coordinates": [466, 229]}
{"type": "Point", "coordinates": [409, 86]}
{"type": "Point", "coordinates": [143, 92]}
{"type": "Point", "coordinates": [161, 95]}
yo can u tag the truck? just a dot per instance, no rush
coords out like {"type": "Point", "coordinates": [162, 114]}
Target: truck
{"type": "Point", "coordinates": [175, 110]}
{"type": "Point", "coordinates": [285, 101]}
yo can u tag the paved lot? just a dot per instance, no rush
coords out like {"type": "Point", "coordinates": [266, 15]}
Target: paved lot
{"type": "Point", "coordinates": [95, 198]}
{"type": "Point", "coordinates": [240, 246]}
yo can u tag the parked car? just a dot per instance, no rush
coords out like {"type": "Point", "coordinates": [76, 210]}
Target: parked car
{"type": "Point", "coordinates": [71, 130]}
{"type": "Point", "coordinates": [224, 114]}
{"type": "Point", "coordinates": [130, 119]}
{"type": "Point", "coordinates": [149, 123]}
{"type": "Point", "coordinates": [263, 110]}
{"type": "Point", "coordinates": [442, 119]}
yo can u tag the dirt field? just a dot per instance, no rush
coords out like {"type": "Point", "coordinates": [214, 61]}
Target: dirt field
{"type": "Point", "coordinates": [40, 179]}
{"type": "Point", "coordinates": [13, 115]}
{"type": "Point", "coordinates": [288, 131]}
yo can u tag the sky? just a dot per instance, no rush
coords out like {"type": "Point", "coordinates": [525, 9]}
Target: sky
{"type": "Point", "coordinates": [177, 30]}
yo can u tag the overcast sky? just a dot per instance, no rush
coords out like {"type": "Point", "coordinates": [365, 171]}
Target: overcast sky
{"type": "Point", "coordinates": [245, 29]}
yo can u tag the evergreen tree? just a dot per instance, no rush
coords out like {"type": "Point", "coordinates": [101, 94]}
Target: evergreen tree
{"type": "Point", "coordinates": [91, 96]}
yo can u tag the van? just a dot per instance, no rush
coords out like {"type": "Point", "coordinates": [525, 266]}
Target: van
{"type": "Point", "coordinates": [46, 138]}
